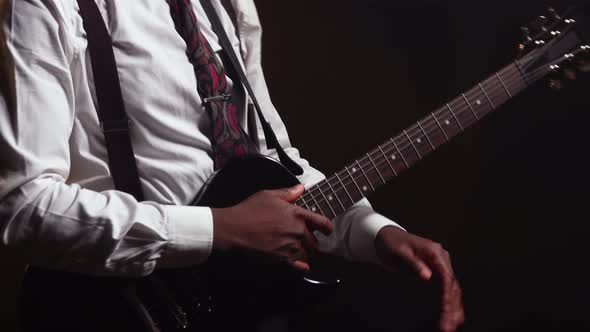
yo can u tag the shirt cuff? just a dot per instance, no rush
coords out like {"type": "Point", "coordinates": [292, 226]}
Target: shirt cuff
{"type": "Point", "coordinates": [367, 223]}
{"type": "Point", "coordinates": [190, 236]}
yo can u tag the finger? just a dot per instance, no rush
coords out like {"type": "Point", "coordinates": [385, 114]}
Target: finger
{"type": "Point", "coordinates": [310, 243]}
{"type": "Point", "coordinates": [451, 303]}
{"type": "Point", "coordinates": [455, 316]}
{"type": "Point", "coordinates": [300, 265]}
{"type": "Point", "coordinates": [417, 264]}
{"type": "Point", "coordinates": [440, 265]}
{"type": "Point", "coordinates": [288, 194]}
{"type": "Point", "coordinates": [315, 222]}
{"type": "Point", "coordinates": [294, 255]}
{"type": "Point", "coordinates": [447, 259]}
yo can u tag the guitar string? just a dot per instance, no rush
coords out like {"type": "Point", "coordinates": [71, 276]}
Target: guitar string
{"type": "Point", "coordinates": [402, 148]}
{"type": "Point", "coordinates": [318, 187]}
{"type": "Point", "coordinates": [519, 66]}
{"type": "Point", "coordinates": [427, 125]}
{"type": "Point", "coordinates": [531, 77]}
{"type": "Point", "coordinates": [343, 186]}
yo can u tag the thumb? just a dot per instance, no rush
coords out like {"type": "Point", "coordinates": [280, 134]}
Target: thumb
{"type": "Point", "coordinates": [289, 194]}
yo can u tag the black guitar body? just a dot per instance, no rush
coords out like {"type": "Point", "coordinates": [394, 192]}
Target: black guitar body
{"type": "Point", "coordinates": [228, 292]}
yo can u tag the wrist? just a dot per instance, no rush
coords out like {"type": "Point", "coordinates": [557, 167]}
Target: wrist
{"type": "Point", "coordinates": [221, 238]}
{"type": "Point", "coordinates": [386, 236]}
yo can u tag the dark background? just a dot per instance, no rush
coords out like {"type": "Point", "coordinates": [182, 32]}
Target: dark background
{"type": "Point", "coordinates": [508, 199]}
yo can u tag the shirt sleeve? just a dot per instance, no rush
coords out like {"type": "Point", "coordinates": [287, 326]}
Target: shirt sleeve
{"type": "Point", "coordinates": [46, 221]}
{"type": "Point", "coordinates": [355, 230]}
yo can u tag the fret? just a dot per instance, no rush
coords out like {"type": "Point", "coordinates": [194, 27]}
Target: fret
{"type": "Point", "coordinates": [518, 83]}
{"type": "Point", "coordinates": [316, 206]}
{"type": "Point", "coordinates": [299, 202]}
{"type": "Point", "coordinates": [387, 159]}
{"type": "Point", "coordinates": [439, 125]}
{"type": "Point", "coordinates": [470, 107]}
{"type": "Point", "coordinates": [426, 135]}
{"type": "Point", "coordinates": [376, 169]}
{"type": "Point", "coordinates": [354, 181]}
{"type": "Point", "coordinates": [504, 85]}
{"type": "Point", "coordinates": [413, 146]}
{"type": "Point", "coordinates": [400, 153]}
{"type": "Point", "coordinates": [487, 97]}
{"type": "Point", "coordinates": [344, 187]}
{"type": "Point", "coordinates": [327, 201]}
{"type": "Point", "coordinates": [454, 116]}
{"type": "Point", "coordinates": [304, 203]}
{"type": "Point", "coordinates": [365, 175]}
{"type": "Point", "coordinates": [335, 195]}
{"type": "Point", "coordinates": [515, 84]}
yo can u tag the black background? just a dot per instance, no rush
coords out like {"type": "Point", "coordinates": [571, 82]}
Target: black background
{"type": "Point", "coordinates": [508, 198]}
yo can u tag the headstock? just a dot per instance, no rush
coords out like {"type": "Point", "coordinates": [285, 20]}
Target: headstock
{"type": "Point", "coordinates": [555, 43]}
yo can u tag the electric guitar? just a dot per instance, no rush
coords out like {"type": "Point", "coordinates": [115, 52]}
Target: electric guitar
{"type": "Point", "coordinates": [230, 291]}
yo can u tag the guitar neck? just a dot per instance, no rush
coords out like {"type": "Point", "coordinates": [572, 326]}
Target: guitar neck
{"type": "Point", "coordinates": [337, 193]}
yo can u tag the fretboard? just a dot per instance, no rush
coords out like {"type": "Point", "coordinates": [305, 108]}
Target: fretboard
{"type": "Point", "coordinates": [337, 193]}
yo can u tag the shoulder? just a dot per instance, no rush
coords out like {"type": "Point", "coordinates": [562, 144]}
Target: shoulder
{"type": "Point", "coordinates": [40, 28]}
{"type": "Point", "coordinates": [249, 29]}
{"type": "Point", "coordinates": [41, 13]}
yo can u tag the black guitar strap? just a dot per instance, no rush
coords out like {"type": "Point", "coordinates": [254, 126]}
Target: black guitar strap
{"type": "Point", "coordinates": [271, 138]}
{"type": "Point", "coordinates": [111, 110]}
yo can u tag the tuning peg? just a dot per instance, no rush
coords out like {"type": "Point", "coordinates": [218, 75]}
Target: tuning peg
{"type": "Point", "coordinates": [582, 63]}
{"type": "Point", "coordinates": [526, 34]}
{"type": "Point", "coordinates": [553, 14]}
{"type": "Point", "coordinates": [543, 20]}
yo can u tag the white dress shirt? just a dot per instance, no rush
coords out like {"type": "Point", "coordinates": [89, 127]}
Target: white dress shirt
{"type": "Point", "coordinates": [58, 206]}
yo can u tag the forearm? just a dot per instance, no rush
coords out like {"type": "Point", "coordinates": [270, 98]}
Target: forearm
{"type": "Point", "coordinates": [6, 74]}
{"type": "Point", "coordinates": [48, 223]}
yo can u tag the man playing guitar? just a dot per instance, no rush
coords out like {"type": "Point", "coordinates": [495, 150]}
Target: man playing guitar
{"type": "Point", "coordinates": [58, 205]}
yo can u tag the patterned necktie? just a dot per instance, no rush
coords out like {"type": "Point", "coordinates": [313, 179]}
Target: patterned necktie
{"type": "Point", "coordinates": [229, 140]}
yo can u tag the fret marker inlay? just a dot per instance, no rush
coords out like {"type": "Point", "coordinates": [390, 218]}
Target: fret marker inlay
{"type": "Point", "coordinates": [313, 208]}
{"type": "Point", "coordinates": [365, 188]}
{"type": "Point", "coordinates": [393, 157]}
{"type": "Point", "coordinates": [478, 102]}
{"type": "Point", "coordinates": [419, 140]}
{"type": "Point", "coordinates": [447, 122]}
